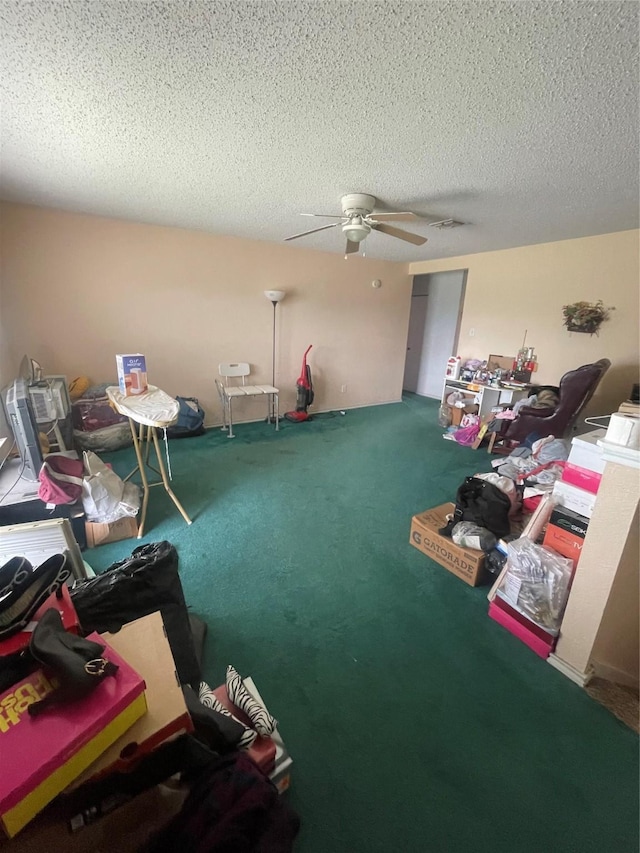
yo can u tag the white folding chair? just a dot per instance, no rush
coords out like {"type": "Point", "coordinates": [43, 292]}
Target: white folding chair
{"type": "Point", "coordinates": [228, 390]}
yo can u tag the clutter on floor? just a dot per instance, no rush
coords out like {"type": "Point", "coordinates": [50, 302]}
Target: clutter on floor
{"type": "Point", "coordinates": [523, 525]}
{"type": "Point", "coordinates": [103, 702]}
{"type": "Point", "coordinates": [495, 400]}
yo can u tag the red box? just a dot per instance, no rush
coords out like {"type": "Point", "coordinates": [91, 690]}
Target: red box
{"type": "Point", "coordinates": [42, 755]}
{"type": "Point", "coordinates": [583, 478]}
{"type": "Point", "coordinates": [528, 632]}
{"type": "Point", "coordinates": [263, 750]}
{"type": "Point", "coordinates": [565, 533]}
{"type": "Point", "coordinates": [70, 622]}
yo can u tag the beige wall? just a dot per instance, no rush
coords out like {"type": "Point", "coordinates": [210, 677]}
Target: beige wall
{"type": "Point", "coordinates": [600, 625]}
{"type": "Point", "coordinates": [79, 289]}
{"type": "Point", "coordinates": [616, 652]}
{"type": "Point", "coordinates": [517, 290]}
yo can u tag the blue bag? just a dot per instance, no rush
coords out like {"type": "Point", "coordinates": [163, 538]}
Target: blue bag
{"type": "Point", "coordinates": [190, 419]}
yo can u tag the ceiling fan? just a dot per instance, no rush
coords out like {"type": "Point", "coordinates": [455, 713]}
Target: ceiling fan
{"type": "Point", "coordinates": [358, 220]}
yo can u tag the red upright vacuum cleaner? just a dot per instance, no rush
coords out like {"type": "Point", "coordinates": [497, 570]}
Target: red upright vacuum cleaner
{"type": "Point", "coordinates": [305, 394]}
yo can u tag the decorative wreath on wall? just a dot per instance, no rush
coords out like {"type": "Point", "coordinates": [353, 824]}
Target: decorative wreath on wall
{"type": "Point", "coordinates": [585, 316]}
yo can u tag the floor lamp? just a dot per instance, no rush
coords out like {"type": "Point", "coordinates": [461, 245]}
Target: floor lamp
{"type": "Point", "coordinates": [274, 296]}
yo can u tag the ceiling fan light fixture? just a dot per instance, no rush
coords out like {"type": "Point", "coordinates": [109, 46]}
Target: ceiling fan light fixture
{"type": "Point", "coordinates": [356, 232]}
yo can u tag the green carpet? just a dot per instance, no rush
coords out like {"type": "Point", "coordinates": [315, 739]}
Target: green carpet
{"type": "Point", "coordinates": [415, 722]}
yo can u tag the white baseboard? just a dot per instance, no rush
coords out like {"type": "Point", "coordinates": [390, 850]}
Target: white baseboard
{"type": "Point", "coordinates": [615, 675]}
{"type": "Point", "coordinates": [218, 424]}
{"type": "Point", "coordinates": [575, 675]}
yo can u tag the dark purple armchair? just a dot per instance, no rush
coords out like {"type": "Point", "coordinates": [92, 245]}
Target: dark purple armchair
{"type": "Point", "coordinates": [576, 389]}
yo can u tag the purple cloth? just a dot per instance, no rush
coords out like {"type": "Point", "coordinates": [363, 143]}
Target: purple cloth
{"type": "Point", "coordinates": [231, 808]}
{"type": "Point", "coordinates": [467, 435]}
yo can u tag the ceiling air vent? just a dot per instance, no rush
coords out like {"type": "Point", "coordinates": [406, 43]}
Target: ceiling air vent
{"type": "Point", "coordinates": [446, 223]}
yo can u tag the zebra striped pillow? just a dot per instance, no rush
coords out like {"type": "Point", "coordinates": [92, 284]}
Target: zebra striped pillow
{"type": "Point", "coordinates": [262, 720]}
{"type": "Point", "coordinates": [208, 699]}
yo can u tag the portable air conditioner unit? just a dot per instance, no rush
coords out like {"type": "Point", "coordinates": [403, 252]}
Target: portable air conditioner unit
{"type": "Point", "coordinates": [21, 419]}
{"type": "Point", "coordinates": [50, 399]}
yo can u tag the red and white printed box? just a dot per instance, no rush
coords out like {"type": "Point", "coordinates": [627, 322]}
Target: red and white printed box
{"type": "Point", "coordinates": [42, 755]}
{"type": "Point", "coordinates": [583, 478]}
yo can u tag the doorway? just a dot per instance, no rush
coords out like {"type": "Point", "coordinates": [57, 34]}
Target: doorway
{"type": "Point", "coordinates": [434, 326]}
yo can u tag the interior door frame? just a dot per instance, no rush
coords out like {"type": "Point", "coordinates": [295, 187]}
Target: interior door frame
{"type": "Point", "coordinates": [458, 323]}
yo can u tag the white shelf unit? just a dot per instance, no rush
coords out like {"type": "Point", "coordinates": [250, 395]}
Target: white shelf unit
{"type": "Point", "coordinates": [486, 396]}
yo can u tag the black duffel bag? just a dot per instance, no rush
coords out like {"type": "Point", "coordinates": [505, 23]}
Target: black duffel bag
{"type": "Point", "coordinates": [146, 581]}
{"type": "Point", "coordinates": [484, 504]}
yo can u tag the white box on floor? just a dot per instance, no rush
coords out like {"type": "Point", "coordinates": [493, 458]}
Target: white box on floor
{"type": "Point", "coordinates": [572, 497]}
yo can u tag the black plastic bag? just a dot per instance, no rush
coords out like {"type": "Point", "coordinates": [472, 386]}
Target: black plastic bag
{"type": "Point", "coordinates": [135, 587]}
{"type": "Point", "coordinates": [484, 504]}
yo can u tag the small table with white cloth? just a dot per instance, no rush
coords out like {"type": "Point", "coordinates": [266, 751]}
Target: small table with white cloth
{"type": "Point", "coordinates": [147, 413]}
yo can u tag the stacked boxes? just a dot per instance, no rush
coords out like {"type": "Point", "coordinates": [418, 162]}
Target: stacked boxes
{"type": "Point", "coordinates": [41, 756]}
{"type": "Point", "coordinates": [585, 465]}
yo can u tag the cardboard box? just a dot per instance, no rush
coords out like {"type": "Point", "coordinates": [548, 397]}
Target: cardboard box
{"type": "Point", "coordinates": [144, 645]}
{"type": "Point", "coordinates": [67, 612]}
{"type": "Point", "coordinates": [517, 624]}
{"type": "Point", "coordinates": [586, 452]}
{"type": "Point", "coordinates": [122, 826]}
{"type": "Point", "coordinates": [583, 478]}
{"type": "Point", "coordinates": [42, 755]}
{"type": "Point", "coordinates": [132, 374]}
{"type": "Point", "coordinates": [574, 498]}
{"type": "Point", "coordinates": [100, 534]}
{"type": "Point", "coordinates": [565, 533]}
{"type": "Point", "coordinates": [458, 413]}
{"type": "Point", "coordinates": [465, 563]}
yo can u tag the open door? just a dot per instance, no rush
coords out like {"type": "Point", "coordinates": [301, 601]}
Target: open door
{"type": "Point", "coordinates": [434, 326]}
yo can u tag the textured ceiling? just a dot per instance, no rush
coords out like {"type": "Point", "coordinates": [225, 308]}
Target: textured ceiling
{"type": "Point", "coordinates": [521, 119]}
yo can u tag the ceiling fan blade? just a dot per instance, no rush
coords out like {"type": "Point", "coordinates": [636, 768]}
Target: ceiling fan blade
{"type": "Point", "coordinates": [351, 247]}
{"type": "Point", "coordinates": [313, 231]}
{"type": "Point", "coordinates": [405, 216]}
{"type": "Point", "coordinates": [403, 235]}
{"type": "Point", "coordinates": [323, 215]}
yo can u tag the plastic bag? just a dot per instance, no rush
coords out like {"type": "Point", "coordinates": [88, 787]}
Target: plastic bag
{"type": "Point", "coordinates": [456, 397]}
{"type": "Point", "coordinates": [105, 497]}
{"type": "Point", "coordinates": [132, 588]}
{"type": "Point", "coordinates": [105, 439]}
{"type": "Point", "coordinates": [536, 583]}
{"type": "Point", "coordinates": [470, 535]}
{"type": "Point", "coordinates": [444, 416]}
{"type": "Point", "coordinates": [550, 449]}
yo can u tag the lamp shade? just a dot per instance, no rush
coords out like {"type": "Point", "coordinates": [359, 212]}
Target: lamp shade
{"type": "Point", "coordinates": [275, 295]}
